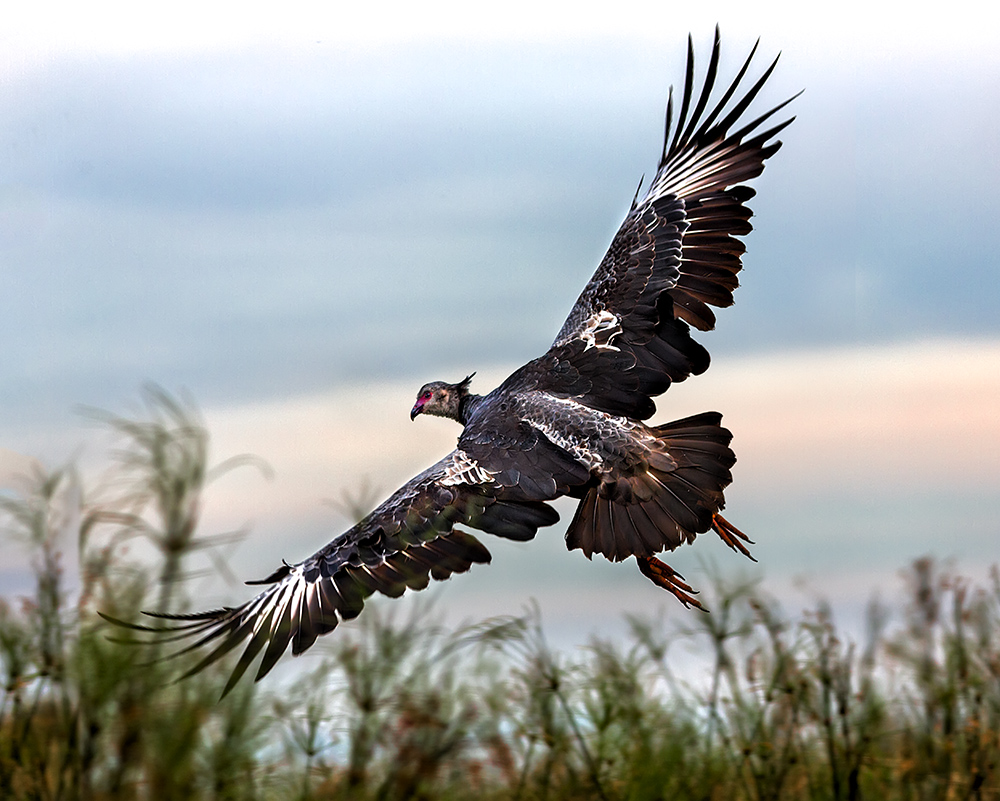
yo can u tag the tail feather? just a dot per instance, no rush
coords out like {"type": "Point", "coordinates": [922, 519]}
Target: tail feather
{"type": "Point", "coordinates": [604, 525]}
{"type": "Point", "coordinates": [643, 525]}
{"type": "Point", "coordinates": [671, 501]}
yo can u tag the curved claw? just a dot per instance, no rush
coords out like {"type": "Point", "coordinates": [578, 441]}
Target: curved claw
{"type": "Point", "coordinates": [732, 536]}
{"type": "Point", "coordinates": [663, 575]}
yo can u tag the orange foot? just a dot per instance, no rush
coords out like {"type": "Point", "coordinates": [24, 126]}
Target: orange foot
{"type": "Point", "coordinates": [663, 575]}
{"type": "Point", "coordinates": [731, 535]}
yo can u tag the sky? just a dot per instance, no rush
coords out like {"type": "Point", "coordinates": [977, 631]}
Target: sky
{"type": "Point", "coordinates": [300, 217]}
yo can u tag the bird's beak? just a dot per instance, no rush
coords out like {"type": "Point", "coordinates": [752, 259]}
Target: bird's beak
{"type": "Point", "coordinates": [418, 407]}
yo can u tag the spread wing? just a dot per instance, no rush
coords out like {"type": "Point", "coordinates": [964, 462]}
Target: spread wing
{"type": "Point", "coordinates": [404, 543]}
{"type": "Point", "coordinates": [676, 254]}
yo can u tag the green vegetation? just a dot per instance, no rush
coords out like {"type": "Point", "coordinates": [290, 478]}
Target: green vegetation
{"type": "Point", "coordinates": [404, 709]}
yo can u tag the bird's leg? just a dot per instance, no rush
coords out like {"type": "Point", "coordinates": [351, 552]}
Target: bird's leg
{"type": "Point", "coordinates": [731, 535]}
{"type": "Point", "coordinates": [663, 575]}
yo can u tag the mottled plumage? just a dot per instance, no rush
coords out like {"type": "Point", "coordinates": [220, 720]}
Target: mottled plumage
{"type": "Point", "coordinates": [567, 423]}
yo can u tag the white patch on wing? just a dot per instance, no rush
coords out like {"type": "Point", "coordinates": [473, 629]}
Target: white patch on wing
{"type": "Point", "coordinates": [462, 469]}
{"type": "Point", "coordinates": [600, 329]}
{"type": "Point", "coordinates": [556, 437]}
{"type": "Point", "coordinates": [580, 449]}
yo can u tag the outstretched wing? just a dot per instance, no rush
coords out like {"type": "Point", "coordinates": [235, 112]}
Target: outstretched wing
{"type": "Point", "coordinates": [404, 543]}
{"type": "Point", "coordinates": [676, 254]}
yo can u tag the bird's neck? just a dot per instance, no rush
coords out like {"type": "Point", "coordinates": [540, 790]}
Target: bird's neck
{"type": "Point", "coordinates": [466, 406]}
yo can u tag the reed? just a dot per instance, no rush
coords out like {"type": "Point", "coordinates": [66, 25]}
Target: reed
{"type": "Point", "coordinates": [399, 707]}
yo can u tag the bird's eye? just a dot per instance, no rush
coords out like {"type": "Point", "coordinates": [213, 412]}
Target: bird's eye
{"type": "Point", "coordinates": [425, 397]}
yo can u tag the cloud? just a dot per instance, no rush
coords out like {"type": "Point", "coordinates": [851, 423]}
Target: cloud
{"type": "Point", "coordinates": [244, 196]}
{"type": "Point", "coordinates": [852, 462]}
{"type": "Point", "coordinates": [851, 459]}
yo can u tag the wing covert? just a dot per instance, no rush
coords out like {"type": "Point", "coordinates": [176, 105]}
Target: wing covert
{"type": "Point", "coordinates": [522, 461]}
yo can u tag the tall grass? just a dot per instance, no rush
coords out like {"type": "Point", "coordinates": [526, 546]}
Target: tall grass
{"type": "Point", "coordinates": [403, 708]}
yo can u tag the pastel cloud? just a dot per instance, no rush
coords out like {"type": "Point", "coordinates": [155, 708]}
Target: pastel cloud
{"type": "Point", "coordinates": [820, 434]}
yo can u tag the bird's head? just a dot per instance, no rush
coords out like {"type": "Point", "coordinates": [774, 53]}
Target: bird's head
{"type": "Point", "coordinates": [441, 399]}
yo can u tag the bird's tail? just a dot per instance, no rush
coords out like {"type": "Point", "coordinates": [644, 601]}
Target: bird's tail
{"type": "Point", "coordinates": [676, 497]}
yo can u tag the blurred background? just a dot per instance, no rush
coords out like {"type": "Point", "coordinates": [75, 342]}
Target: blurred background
{"type": "Point", "coordinates": [299, 218]}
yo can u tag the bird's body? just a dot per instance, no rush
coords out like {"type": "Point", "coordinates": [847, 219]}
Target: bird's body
{"type": "Point", "coordinates": [571, 422]}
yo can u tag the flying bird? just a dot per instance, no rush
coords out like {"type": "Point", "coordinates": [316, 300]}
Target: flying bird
{"type": "Point", "coordinates": [570, 422]}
